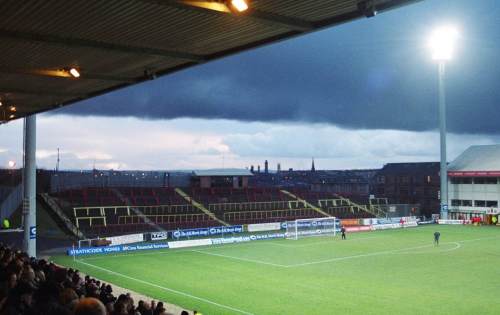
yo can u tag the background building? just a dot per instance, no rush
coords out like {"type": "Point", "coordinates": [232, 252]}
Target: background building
{"type": "Point", "coordinates": [409, 183]}
{"type": "Point", "coordinates": [474, 183]}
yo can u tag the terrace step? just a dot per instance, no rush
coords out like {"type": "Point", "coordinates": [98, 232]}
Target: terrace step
{"type": "Point", "coordinates": [199, 206]}
{"type": "Point", "coordinates": [374, 210]}
{"type": "Point", "coordinates": [135, 210]}
{"type": "Point", "coordinates": [305, 203]}
{"type": "Point", "coordinates": [11, 202]}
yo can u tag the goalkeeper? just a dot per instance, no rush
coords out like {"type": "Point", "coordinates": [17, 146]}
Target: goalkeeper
{"type": "Point", "coordinates": [436, 237]}
{"type": "Point", "coordinates": [342, 230]}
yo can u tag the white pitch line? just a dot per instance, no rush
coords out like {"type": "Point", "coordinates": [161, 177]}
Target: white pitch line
{"type": "Point", "coordinates": [168, 289]}
{"type": "Point", "coordinates": [169, 251]}
{"type": "Point", "coordinates": [355, 256]}
{"type": "Point", "coordinates": [457, 246]}
{"type": "Point", "coordinates": [132, 254]}
{"type": "Point", "coordinates": [240, 258]}
{"type": "Point", "coordinates": [383, 252]}
{"type": "Point", "coordinates": [319, 243]}
{"type": "Point", "coordinates": [165, 252]}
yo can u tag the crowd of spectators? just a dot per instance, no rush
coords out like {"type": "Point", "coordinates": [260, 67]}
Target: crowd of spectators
{"type": "Point", "coordinates": [30, 286]}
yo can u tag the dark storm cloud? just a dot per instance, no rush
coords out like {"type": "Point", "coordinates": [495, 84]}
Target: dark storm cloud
{"type": "Point", "coordinates": [373, 73]}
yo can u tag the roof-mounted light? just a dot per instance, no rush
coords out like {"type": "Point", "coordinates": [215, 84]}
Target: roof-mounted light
{"type": "Point", "coordinates": [75, 73]}
{"type": "Point", "coordinates": [227, 6]}
{"type": "Point", "coordinates": [239, 5]}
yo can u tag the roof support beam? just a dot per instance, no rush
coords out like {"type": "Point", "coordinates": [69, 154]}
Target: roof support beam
{"type": "Point", "coordinates": [62, 74]}
{"type": "Point", "coordinates": [79, 42]}
{"type": "Point", "coordinates": [9, 90]}
{"type": "Point", "coordinates": [270, 18]}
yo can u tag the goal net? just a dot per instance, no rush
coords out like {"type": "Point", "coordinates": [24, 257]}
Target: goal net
{"type": "Point", "coordinates": [311, 227]}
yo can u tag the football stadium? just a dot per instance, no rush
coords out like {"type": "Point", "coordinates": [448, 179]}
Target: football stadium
{"type": "Point", "coordinates": [409, 236]}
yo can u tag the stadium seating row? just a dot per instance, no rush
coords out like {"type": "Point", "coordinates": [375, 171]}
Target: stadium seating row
{"type": "Point", "coordinates": [109, 211]}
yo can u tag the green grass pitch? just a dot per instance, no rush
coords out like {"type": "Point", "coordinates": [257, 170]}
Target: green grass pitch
{"type": "Point", "coordinates": [383, 272]}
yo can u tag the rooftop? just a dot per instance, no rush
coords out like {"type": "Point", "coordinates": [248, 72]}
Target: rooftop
{"type": "Point", "coordinates": [477, 158]}
{"type": "Point", "coordinates": [223, 172]}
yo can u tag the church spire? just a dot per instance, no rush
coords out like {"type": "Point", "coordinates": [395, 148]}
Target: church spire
{"type": "Point", "coordinates": [313, 169]}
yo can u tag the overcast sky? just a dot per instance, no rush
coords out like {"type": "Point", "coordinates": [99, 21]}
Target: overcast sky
{"type": "Point", "coordinates": [357, 95]}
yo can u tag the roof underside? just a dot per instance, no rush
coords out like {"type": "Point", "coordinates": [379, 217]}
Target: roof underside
{"type": "Point", "coordinates": [116, 43]}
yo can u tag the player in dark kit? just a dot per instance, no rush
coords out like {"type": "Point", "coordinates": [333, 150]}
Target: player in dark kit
{"type": "Point", "coordinates": [436, 238]}
{"type": "Point", "coordinates": [342, 230]}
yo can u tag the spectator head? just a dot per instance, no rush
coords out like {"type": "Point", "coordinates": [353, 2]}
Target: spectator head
{"type": "Point", "coordinates": [110, 308]}
{"type": "Point", "coordinates": [23, 294]}
{"type": "Point", "coordinates": [184, 313]}
{"type": "Point", "coordinates": [28, 276]}
{"type": "Point", "coordinates": [68, 298]}
{"type": "Point", "coordinates": [60, 275]}
{"type": "Point", "coordinates": [12, 280]}
{"type": "Point", "coordinates": [120, 308]}
{"type": "Point", "coordinates": [90, 306]}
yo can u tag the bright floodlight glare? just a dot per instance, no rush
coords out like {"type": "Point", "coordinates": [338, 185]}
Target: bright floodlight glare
{"type": "Point", "coordinates": [442, 43]}
{"type": "Point", "coordinates": [74, 72]}
{"type": "Point", "coordinates": [11, 164]}
{"type": "Point", "coordinates": [240, 5]}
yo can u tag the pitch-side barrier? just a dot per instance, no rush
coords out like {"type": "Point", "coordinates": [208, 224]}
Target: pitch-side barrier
{"type": "Point", "coordinates": [253, 232]}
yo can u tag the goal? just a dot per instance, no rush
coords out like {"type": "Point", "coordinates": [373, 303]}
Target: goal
{"type": "Point", "coordinates": [311, 227]}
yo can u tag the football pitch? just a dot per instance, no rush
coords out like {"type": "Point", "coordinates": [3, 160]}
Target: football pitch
{"type": "Point", "coordinates": [382, 272]}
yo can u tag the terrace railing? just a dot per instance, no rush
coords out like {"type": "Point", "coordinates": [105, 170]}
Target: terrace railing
{"type": "Point", "coordinates": [286, 214]}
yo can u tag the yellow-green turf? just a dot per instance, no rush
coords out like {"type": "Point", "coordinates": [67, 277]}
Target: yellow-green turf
{"type": "Point", "coordinates": [382, 272]}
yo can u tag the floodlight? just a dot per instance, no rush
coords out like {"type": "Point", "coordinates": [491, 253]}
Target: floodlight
{"type": "Point", "coordinates": [12, 108]}
{"type": "Point", "coordinates": [11, 164]}
{"type": "Point", "coordinates": [240, 5]}
{"type": "Point", "coordinates": [74, 72]}
{"type": "Point", "coordinates": [442, 43]}
{"type": "Point", "coordinates": [12, 116]}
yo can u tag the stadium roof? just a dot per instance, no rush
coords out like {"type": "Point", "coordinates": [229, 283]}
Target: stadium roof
{"type": "Point", "coordinates": [117, 43]}
{"type": "Point", "coordinates": [477, 160]}
{"type": "Point", "coordinates": [223, 172]}
{"type": "Point", "coordinates": [408, 168]}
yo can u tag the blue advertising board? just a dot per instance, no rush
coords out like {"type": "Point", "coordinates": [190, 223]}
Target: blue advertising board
{"type": "Point", "coordinates": [114, 249]}
{"type": "Point", "coordinates": [207, 231]}
{"type": "Point", "coordinates": [32, 232]}
{"type": "Point", "coordinates": [305, 224]}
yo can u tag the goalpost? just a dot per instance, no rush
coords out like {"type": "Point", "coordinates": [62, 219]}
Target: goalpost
{"type": "Point", "coordinates": [311, 227]}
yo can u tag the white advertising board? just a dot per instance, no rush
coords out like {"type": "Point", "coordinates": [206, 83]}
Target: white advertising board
{"type": "Point", "coordinates": [190, 243]}
{"type": "Point", "coordinates": [264, 227]}
{"type": "Point", "coordinates": [125, 239]}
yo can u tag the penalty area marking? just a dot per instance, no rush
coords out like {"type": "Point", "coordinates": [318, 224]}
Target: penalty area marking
{"type": "Point", "coordinates": [239, 258]}
{"type": "Point", "coordinates": [167, 289]}
{"type": "Point", "coordinates": [438, 251]}
{"type": "Point", "coordinates": [385, 252]}
{"type": "Point", "coordinates": [334, 241]}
